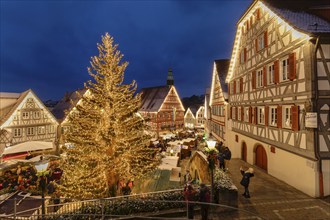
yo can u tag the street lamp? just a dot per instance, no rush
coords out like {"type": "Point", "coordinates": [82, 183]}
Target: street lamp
{"type": "Point", "coordinates": [211, 158]}
{"type": "Point", "coordinates": [41, 168]}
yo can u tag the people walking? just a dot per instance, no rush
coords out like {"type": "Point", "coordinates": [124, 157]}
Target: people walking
{"type": "Point", "coordinates": [221, 161]}
{"type": "Point", "coordinates": [227, 157]}
{"type": "Point", "coordinates": [204, 197]}
{"type": "Point", "coordinates": [189, 195]}
{"type": "Point", "coordinates": [246, 180]}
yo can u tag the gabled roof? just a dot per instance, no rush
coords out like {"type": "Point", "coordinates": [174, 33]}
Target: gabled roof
{"type": "Point", "coordinates": [191, 113]}
{"type": "Point", "coordinates": [299, 15]}
{"type": "Point", "coordinates": [13, 101]}
{"type": "Point", "coordinates": [152, 98]}
{"type": "Point", "coordinates": [199, 109]}
{"type": "Point", "coordinates": [222, 67]}
{"type": "Point", "coordinates": [67, 103]}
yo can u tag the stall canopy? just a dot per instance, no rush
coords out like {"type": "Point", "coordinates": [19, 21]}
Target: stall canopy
{"type": "Point", "coordinates": [28, 146]}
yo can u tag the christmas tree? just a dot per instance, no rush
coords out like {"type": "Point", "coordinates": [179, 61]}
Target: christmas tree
{"type": "Point", "coordinates": [106, 131]}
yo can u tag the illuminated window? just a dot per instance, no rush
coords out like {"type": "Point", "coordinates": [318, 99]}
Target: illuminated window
{"type": "Point", "coordinates": [261, 115]}
{"type": "Point", "coordinates": [30, 131]}
{"type": "Point", "coordinates": [287, 121]}
{"type": "Point", "coordinates": [246, 115]}
{"type": "Point", "coordinates": [17, 132]}
{"type": "Point", "coordinates": [261, 42]}
{"type": "Point", "coordinates": [273, 116]}
{"type": "Point", "coordinates": [41, 130]}
{"type": "Point", "coordinates": [260, 78]}
{"type": "Point", "coordinates": [36, 115]}
{"type": "Point", "coordinates": [25, 115]}
{"type": "Point", "coordinates": [284, 69]}
{"type": "Point", "coordinates": [239, 113]}
{"type": "Point", "coordinates": [233, 112]}
{"type": "Point", "coordinates": [51, 129]}
{"type": "Point", "coordinates": [270, 74]}
{"type": "Point", "coordinates": [222, 110]}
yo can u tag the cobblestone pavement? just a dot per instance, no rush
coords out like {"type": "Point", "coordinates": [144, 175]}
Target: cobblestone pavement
{"type": "Point", "coordinates": [272, 199]}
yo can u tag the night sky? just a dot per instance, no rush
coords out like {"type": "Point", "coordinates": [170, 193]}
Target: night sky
{"type": "Point", "coordinates": [47, 45]}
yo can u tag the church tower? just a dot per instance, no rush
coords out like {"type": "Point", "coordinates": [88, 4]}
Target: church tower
{"type": "Point", "coordinates": [170, 79]}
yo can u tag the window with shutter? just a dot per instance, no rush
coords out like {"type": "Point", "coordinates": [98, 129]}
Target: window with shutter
{"type": "Point", "coordinates": [270, 75]}
{"type": "Point", "coordinates": [284, 69]}
{"type": "Point", "coordinates": [250, 114]}
{"type": "Point", "coordinates": [292, 66]}
{"type": "Point", "coordinates": [265, 76]}
{"type": "Point", "coordinates": [238, 114]}
{"type": "Point", "coordinates": [261, 42]}
{"type": "Point", "coordinates": [295, 117]}
{"type": "Point", "coordinates": [242, 113]}
{"type": "Point", "coordinates": [273, 116]}
{"type": "Point", "coordinates": [286, 116]}
{"type": "Point", "coordinates": [261, 115]}
{"type": "Point", "coordinates": [234, 115]}
{"type": "Point", "coordinates": [245, 54]}
{"type": "Point", "coordinates": [260, 78]}
{"type": "Point", "coordinates": [279, 116]}
{"type": "Point", "coordinates": [253, 79]}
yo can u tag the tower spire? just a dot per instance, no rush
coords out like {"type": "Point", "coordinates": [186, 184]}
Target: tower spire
{"type": "Point", "coordinates": [170, 79]}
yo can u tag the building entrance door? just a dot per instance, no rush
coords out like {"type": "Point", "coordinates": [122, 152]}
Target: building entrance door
{"type": "Point", "coordinates": [261, 157]}
{"type": "Point", "coordinates": [244, 152]}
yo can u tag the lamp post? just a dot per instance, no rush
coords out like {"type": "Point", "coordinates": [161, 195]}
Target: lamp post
{"type": "Point", "coordinates": [211, 159]}
{"type": "Point", "coordinates": [41, 168]}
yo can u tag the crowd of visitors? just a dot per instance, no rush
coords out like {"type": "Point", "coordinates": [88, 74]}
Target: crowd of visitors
{"type": "Point", "coordinates": [24, 178]}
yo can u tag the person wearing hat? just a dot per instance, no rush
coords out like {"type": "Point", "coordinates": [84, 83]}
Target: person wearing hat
{"type": "Point", "coordinates": [246, 180]}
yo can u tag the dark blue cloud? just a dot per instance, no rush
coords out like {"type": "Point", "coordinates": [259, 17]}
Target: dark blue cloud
{"type": "Point", "coordinates": [47, 45]}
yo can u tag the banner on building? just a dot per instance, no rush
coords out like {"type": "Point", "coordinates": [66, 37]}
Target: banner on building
{"type": "Point", "coordinates": [311, 120]}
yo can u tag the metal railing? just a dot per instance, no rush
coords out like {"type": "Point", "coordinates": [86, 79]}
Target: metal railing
{"type": "Point", "coordinates": [99, 208]}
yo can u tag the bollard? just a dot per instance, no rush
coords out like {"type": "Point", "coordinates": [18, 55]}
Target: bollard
{"type": "Point", "coordinates": [15, 208]}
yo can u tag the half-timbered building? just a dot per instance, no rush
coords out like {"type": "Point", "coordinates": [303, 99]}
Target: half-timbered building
{"type": "Point", "coordinates": [279, 92]}
{"type": "Point", "coordinates": [162, 107]}
{"type": "Point", "coordinates": [218, 100]}
{"type": "Point", "coordinates": [23, 117]}
{"type": "Point", "coordinates": [189, 119]}
{"type": "Point", "coordinates": [65, 107]}
{"type": "Point", "coordinates": [200, 117]}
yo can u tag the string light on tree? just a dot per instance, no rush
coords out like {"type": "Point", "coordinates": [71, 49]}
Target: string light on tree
{"type": "Point", "coordinates": [106, 131]}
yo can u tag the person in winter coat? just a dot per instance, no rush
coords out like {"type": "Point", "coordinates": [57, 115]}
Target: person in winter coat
{"type": "Point", "coordinates": [189, 195]}
{"type": "Point", "coordinates": [221, 161]}
{"type": "Point", "coordinates": [204, 196]}
{"type": "Point", "coordinates": [246, 180]}
{"type": "Point", "coordinates": [227, 157]}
